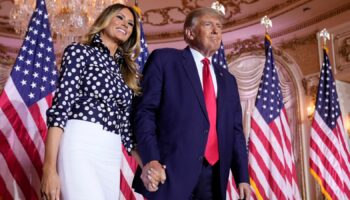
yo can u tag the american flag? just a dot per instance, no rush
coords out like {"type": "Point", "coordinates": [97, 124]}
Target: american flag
{"type": "Point", "coordinates": [219, 58]}
{"type": "Point", "coordinates": [23, 103]}
{"type": "Point", "coordinates": [129, 165]}
{"type": "Point", "coordinates": [271, 161]}
{"type": "Point", "coordinates": [329, 150]}
{"type": "Point", "coordinates": [141, 60]}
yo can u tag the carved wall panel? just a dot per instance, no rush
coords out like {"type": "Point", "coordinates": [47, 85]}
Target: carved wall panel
{"type": "Point", "coordinates": [342, 55]}
{"type": "Point", "coordinates": [6, 63]}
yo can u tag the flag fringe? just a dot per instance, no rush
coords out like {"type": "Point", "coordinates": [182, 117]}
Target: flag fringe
{"type": "Point", "coordinates": [256, 190]}
{"type": "Point", "coordinates": [319, 181]}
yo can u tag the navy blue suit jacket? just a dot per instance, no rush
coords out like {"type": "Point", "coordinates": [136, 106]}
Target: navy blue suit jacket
{"type": "Point", "coordinates": [171, 124]}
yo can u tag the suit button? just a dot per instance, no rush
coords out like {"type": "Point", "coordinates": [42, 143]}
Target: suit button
{"type": "Point", "coordinates": [206, 131]}
{"type": "Point", "coordinates": [200, 158]}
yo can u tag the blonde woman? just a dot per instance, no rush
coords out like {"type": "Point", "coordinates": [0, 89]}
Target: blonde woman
{"type": "Point", "coordinates": [89, 118]}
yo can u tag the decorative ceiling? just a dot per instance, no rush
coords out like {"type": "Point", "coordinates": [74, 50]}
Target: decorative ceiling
{"type": "Point", "coordinates": [294, 21]}
{"type": "Point", "coordinates": [163, 20]}
{"type": "Point", "coordinates": [167, 19]}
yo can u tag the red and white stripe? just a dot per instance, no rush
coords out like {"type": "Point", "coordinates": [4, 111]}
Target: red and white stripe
{"type": "Point", "coordinates": [271, 161]}
{"type": "Point", "coordinates": [22, 133]}
{"type": "Point", "coordinates": [329, 158]}
{"type": "Point", "coordinates": [128, 168]}
{"type": "Point", "coordinates": [231, 191]}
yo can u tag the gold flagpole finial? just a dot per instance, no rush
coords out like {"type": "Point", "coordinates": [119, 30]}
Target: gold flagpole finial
{"type": "Point", "coordinates": [325, 35]}
{"type": "Point", "coordinates": [137, 9]}
{"type": "Point", "coordinates": [218, 7]}
{"type": "Point", "coordinates": [265, 21]}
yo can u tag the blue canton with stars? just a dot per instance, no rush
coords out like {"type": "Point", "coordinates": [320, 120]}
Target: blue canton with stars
{"type": "Point", "coordinates": [142, 58]}
{"type": "Point", "coordinates": [219, 57]}
{"type": "Point", "coordinates": [34, 72]}
{"type": "Point", "coordinates": [269, 100]}
{"type": "Point", "coordinates": [327, 104]}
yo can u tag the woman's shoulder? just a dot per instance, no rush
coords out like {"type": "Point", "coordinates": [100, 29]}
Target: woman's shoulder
{"type": "Point", "coordinates": [76, 48]}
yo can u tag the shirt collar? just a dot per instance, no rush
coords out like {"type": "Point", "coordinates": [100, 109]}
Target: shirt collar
{"type": "Point", "coordinates": [96, 41]}
{"type": "Point", "coordinates": [198, 57]}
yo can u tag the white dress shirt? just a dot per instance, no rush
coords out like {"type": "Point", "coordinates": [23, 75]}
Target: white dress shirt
{"type": "Point", "coordinates": [198, 57]}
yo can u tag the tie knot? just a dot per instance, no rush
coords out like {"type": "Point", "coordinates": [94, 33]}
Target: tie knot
{"type": "Point", "coordinates": [206, 62]}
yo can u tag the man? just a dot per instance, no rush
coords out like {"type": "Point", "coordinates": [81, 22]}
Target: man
{"type": "Point", "coordinates": [189, 119]}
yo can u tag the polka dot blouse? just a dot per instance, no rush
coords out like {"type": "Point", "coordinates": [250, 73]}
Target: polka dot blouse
{"type": "Point", "coordinates": [91, 88]}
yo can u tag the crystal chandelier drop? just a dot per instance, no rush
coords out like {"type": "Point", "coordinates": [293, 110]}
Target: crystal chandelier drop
{"type": "Point", "coordinates": [69, 19]}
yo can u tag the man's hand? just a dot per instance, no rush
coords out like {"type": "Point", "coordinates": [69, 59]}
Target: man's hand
{"type": "Point", "coordinates": [153, 173]}
{"type": "Point", "coordinates": [244, 191]}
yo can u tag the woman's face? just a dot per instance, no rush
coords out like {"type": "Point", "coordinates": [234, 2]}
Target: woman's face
{"type": "Point", "coordinates": [120, 27]}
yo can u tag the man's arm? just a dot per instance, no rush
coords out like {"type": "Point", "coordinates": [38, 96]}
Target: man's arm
{"type": "Point", "coordinates": [145, 120]}
{"type": "Point", "coordinates": [146, 107]}
{"type": "Point", "coordinates": [239, 164]}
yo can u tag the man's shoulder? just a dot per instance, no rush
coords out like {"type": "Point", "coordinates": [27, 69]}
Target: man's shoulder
{"type": "Point", "coordinates": [167, 51]}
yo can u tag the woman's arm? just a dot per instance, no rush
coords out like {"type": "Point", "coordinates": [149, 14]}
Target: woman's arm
{"type": "Point", "coordinates": [50, 183]}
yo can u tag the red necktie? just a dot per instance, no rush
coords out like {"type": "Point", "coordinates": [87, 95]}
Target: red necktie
{"type": "Point", "coordinates": [212, 147]}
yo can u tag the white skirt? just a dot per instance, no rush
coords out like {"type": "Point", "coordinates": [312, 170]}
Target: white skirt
{"type": "Point", "coordinates": [89, 162]}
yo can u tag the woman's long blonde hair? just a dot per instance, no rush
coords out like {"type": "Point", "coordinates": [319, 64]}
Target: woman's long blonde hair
{"type": "Point", "coordinates": [130, 49]}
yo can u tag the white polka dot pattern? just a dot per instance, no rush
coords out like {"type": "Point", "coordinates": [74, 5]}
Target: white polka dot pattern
{"type": "Point", "coordinates": [91, 88]}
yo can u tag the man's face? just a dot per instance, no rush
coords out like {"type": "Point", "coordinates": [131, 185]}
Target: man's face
{"type": "Point", "coordinates": [206, 35]}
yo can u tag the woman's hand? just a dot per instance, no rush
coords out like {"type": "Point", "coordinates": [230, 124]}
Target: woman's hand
{"type": "Point", "coordinates": [50, 184]}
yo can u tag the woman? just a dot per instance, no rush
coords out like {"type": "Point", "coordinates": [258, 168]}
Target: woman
{"type": "Point", "coordinates": [89, 118]}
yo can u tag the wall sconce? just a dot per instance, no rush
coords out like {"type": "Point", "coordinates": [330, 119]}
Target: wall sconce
{"type": "Point", "coordinates": [310, 111]}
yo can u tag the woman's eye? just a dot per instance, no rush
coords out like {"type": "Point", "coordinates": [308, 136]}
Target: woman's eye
{"type": "Point", "coordinates": [131, 24]}
{"type": "Point", "coordinates": [119, 17]}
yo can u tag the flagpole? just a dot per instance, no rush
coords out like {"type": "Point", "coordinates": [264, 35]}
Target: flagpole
{"type": "Point", "coordinates": [331, 136]}
{"type": "Point", "coordinates": [270, 112]}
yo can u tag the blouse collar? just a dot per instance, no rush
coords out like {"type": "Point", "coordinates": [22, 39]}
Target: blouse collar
{"type": "Point", "coordinates": [97, 41]}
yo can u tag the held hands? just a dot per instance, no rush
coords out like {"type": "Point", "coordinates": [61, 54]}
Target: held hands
{"type": "Point", "coordinates": [153, 173]}
{"type": "Point", "coordinates": [244, 191]}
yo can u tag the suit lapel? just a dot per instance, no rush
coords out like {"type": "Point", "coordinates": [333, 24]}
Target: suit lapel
{"type": "Point", "coordinates": [191, 70]}
{"type": "Point", "coordinates": [220, 101]}
{"type": "Point", "coordinates": [220, 83]}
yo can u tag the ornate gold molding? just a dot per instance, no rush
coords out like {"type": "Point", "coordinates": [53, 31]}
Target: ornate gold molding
{"type": "Point", "coordinates": [310, 85]}
{"type": "Point", "coordinates": [314, 20]}
{"type": "Point", "coordinates": [293, 43]}
{"type": "Point", "coordinates": [345, 49]}
{"type": "Point", "coordinates": [6, 63]}
{"type": "Point", "coordinates": [164, 15]}
{"type": "Point", "coordinates": [255, 46]}
{"type": "Point", "coordinates": [236, 23]}
{"type": "Point", "coordinates": [239, 47]}
{"type": "Point", "coordinates": [232, 8]}
{"type": "Point", "coordinates": [5, 59]}
{"type": "Point", "coordinates": [342, 55]}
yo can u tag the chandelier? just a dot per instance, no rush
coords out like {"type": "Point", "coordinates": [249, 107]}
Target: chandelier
{"type": "Point", "coordinates": [69, 19]}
